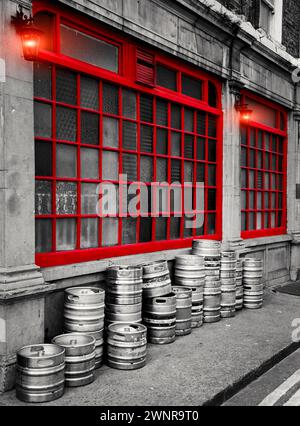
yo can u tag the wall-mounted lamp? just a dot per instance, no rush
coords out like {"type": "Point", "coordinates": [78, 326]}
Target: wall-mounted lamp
{"type": "Point", "coordinates": [30, 36]}
{"type": "Point", "coordinates": [245, 112]}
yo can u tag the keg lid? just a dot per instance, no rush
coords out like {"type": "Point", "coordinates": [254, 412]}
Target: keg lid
{"type": "Point", "coordinates": [73, 340]}
{"type": "Point", "coordinates": [40, 351]}
{"type": "Point", "coordinates": [126, 328]}
{"type": "Point", "coordinates": [82, 291]}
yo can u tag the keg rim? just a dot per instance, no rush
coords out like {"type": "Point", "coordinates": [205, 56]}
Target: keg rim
{"type": "Point", "coordinates": [91, 339]}
{"type": "Point", "coordinates": [99, 290]}
{"type": "Point", "coordinates": [119, 327]}
{"type": "Point", "coordinates": [60, 351]}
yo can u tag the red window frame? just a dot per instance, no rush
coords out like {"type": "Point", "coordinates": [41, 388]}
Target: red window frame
{"type": "Point", "coordinates": [273, 185]}
{"type": "Point", "coordinates": [125, 78]}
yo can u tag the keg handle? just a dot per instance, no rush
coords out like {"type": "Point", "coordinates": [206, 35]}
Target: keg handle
{"type": "Point", "coordinates": [73, 342]}
{"type": "Point", "coordinates": [38, 349]}
{"type": "Point", "coordinates": [72, 297]}
{"type": "Point", "coordinates": [46, 362]}
{"type": "Point", "coordinates": [160, 300]}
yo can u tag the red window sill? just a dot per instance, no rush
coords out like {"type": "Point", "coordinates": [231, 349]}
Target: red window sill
{"type": "Point", "coordinates": [246, 235]}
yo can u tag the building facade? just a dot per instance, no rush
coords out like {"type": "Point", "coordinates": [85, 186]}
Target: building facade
{"type": "Point", "coordinates": [154, 90]}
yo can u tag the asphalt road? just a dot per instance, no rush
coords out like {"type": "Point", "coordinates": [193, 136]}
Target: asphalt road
{"type": "Point", "coordinates": [280, 386]}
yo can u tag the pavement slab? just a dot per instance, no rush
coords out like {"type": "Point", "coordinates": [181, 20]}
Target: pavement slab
{"type": "Point", "coordinates": [200, 369]}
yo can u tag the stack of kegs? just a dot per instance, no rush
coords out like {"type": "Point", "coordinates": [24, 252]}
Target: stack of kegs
{"type": "Point", "coordinates": [211, 252]}
{"type": "Point", "coordinates": [40, 373]}
{"type": "Point", "coordinates": [124, 295]}
{"type": "Point", "coordinates": [183, 310]}
{"type": "Point", "coordinates": [239, 285]}
{"type": "Point", "coordinates": [252, 281]}
{"type": "Point", "coordinates": [84, 314]}
{"type": "Point", "coordinates": [79, 358]}
{"type": "Point", "coordinates": [126, 346]}
{"type": "Point", "coordinates": [190, 273]}
{"type": "Point", "coordinates": [156, 279]}
{"type": "Point", "coordinates": [228, 283]}
{"type": "Point", "coordinates": [159, 316]}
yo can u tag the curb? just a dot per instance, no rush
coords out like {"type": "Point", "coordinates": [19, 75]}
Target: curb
{"type": "Point", "coordinates": [223, 396]}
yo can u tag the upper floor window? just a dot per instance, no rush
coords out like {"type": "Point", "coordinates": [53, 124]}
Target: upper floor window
{"type": "Point", "coordinates": [267, 11]}
{"type": "Point", "coordinates": [270, 18]}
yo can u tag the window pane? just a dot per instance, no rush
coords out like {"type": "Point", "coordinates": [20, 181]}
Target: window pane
{"type": "Point", "coordinates": [188, 171]}
{"type": "Point", "coordinates": [145, 229]}
{"type": "Point", "coordinates": [43, 235]}
{"type": "Point", "coordinates": [89, 163]}
{"type": "Point", "coordinates": [212, 200]}
{"type": "Point", "coordinates": [201, 123]}
{"type": "Point", "coordinates": [162, 141]}
{"type": "Point", "coordinates": [252, 137]}
{"type": "Point", "coordinates": [88, 49]}
{"type": "Point", "coordinates": [129, 135]}
{"type": "Point", "coordinates": [261, 113]}
{"type": "Point", "coordinates": [212, 126]}
{"type": "Point", "coordinates": [111, 132]}
{"type": "Point", "coordinates": [161, 228]}
{"type": "Point", "coordinates": [259, 200]}
{"type": "Point", "coordinates": [89, 92]}
{"type": "Point", "coordinates": [200, 173]}
{"type": "Point", "coordinates": [146, 169]}
{"type": "Point", "coordinates": [66, 87]}
{"type": "Point", "coordinates": [110, 165]}
{"type": "Point", "coordinates": [212, 95]}
{"type": "Point", "coordinates": [146, 108]}
{"type": "Point", "coordinates": [161, 112]}
{"type": "Point", "coordinates": [175, 228]}
{"type": "Point", "coordinates": [211, 224]}
{"type": "Point", "coordinates": [66, 124]}
{"type": "Point", "coordinates": [161, 170]}
{"type": "Point", "coordinates": [201, 148]}
{"type": "Point", "coordinates": [89, 128]}
{"type": "Point", "coordinates": [244, 179]}
{"type": "Point", "coordinates": [42, 80]}
{"type": "Point", "coordinates": [176, 117]}
{"type": "Point", "coordinates": [146, 139]}
{"type": "Point", "coordinates": [191, 87]}
{"type": "Point", "coordinates": [65, 234]}
{"type": "Point", "coordinates": [129, 104]}
{"type": "Point", "coordinates": [189, 146]}
{"type": "Point", "coordinates": [110, 227]}
{"type": "Point", "coordinates": [176, 144]}
{"type": "Point", "coordinates": [166, 77]}
{"type": "Point", "coordinates": [129, 230]}
{"type": "Point", "coordinates": [89, 233]}
{"type": "Point", "coordinates": [244, 200]}
{"type": "Point", "coordinates": [66, 160]}
{"type": "Point", "coordinates": [89, 198]}
{"type": "Point", "coordinates": [244, 135]}
{"type": "Point", "coordinates": [130, 166]}
{"type": "Point", "coordinates": [45, 22]}
{"type": "Point", "coordinates": [175, 171]}
{"type": "Point", "coordinates": [43, 197]}
{"type": "Point", "coordinates": [110, 99]}
{"type": "Point", "coordinates": [43, 159]}
{"type": "Point", "coordinates": [212, 151]}
{"type": "Point", "coordinates": [212, 175]}
{"type": "Point", "coordinates": [66, 198]}
{"type": "Point", "coordinates": [42, 120]}
{"type": "Point", "coordinates": [244, 224]}
{"type": "Point", "coordinates": [188, 120]}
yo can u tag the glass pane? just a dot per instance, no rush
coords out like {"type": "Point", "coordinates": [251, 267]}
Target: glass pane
{"type": "Point", "coordinates": [43, 235]}
{"type": "Point", "coordinates": [146, 139]}
{"type": "Point", "coordinates": [66, 160]}
{"type": "Point", "coordinates": [162, 141]}
{"type": "Point", "coordinates": [244, 157]}
{"type": "Point", "coordinates": [267, 161]}
{"type": "Point", "coordinates": [212, 199]}
{"type": "Point", "coordinates": [175, 171]}
{"type": "Point", "coordinates": [65, 234]}
{"type": "Point", "coordinates": [89, 128]}
{"type": "Point", "coordinates": [129, 103]}
{"type": "Point", "coordinates": [266, 218]}
{"type": "Point", "coordinates": [89, 163]}
{"type": "Point", "coordinates": [89, 92]}
{"type": "Point", "coordinates": [273, 203]}
{"type": "Point", "coordinates": [201, 123]}
{"type": "Point", "coordinates": [161, 170]}
{"type": "Point", "coordinates": [166, 77]}
{"type": "Point", "coordinates": [188, 146]}
{"type": "Point", "coordinates": [188, 171]}
{"type": "Point", "coordinates": [259, 159]}
{"type": "Point", "coordinates": [129, 135]}
{"type": "Point", "coordinates": [280, 201]}
{"type": "Point", "coordinates": [145, 229]}
{"type": "Point", "coordinates": [266, 200]}
{"type": "Point", "coordinates": [212, 151]}
{"type": "Point", "coordinates": [42, 120]}
{"type": "Point", "coordinates": [66, 124]}
{"type": "Point", "coordinates": [161, 112]}
{"type": "Point", "coordinates": [43, 159]}
{"type": "Point", "coordinates": [259, 200]}
{"type": "Point", "coordinates": [212, 95]}
{"type": "Point", "coordinates": [251, 224]}
{"type": "Point", "coordinates": [66, 198]}
{"type": "Point", "coordinates": [267, 141]}
{"type": "Point", "coordinates": [252, 158]}
{"type": "Point", "coordinates": [43, 197]}
{"type": "Point", "coordinates": [261, 113]}
{"type": "Point", "coordinates": [176, 117]}
{"type": "Point", "coordinates": [146, 108]}
{"type": "Point", "coordinates": [251, 179]}
{"type": "Point", "coordinates": [280, 182]}
{"type": "Point", "coordinates": [266, 181]}
{"type": "Point", "coordinates": [244, 135]}
{"type": "Point", "coordinates": [211, 224]}
{"type": "Point", "coordinates": [161, 228]}
{"type": "Point", "coordinates": [175, 228]}
{"type": "Point", "coordinates": [259, 221]}
{"type": "Point", "coordinates": [279, 219]}
{"type": "Point", "coordinates": [188, 120]}
{"type": "Point", "coordinates": [280, 163]}
{"type": "Point", "coordinates": [201, 148]}
{"type": "Point", "coordinates": [89, 233]}
{"type": "Point", "coordinates": [259, 180]}
{"type": "Point", "coordinates": [251, 200]}
{"type": "Point", "coordinates": [244, 225]}
{"type": "Point", "coordinates": [129, 230]}
{"type": "Point", "coordinates": [212, 175]}
{"type": "Point", "coordinates": [244, 200]}
{"type": "Point", "coordinates": [88, 49]}
{"type": "Point", "coordinates": [252, 137]}
{"type": "Point", "coordinates": [110, 165]}
{"type": "Point", "coordinates": [146, 169]}
{"type": "Point", "coordinates": [191, 87]}
{"type": "Point", "coordinates": [274, 143]}
{"type": "Point", "coordinates": [260, 139]}
{"type": "Point", "coordinates": [200, 173]}
{"type": "Point", "coordinates": [274, 165]}
{"type": "Point", "coordinates": [176, 144]}
{"type": "Point", "coordinates": [89, 198]}
{"type": "Point", "coordinates": [110, 99]}
{"type": "Point", "coordinates": [111, 132]}
{"type": "Point", "coordinates": [66, 87]}
{"type": "Point", "coordinates": [130, 167]}
{"type": "Point", "coordinates": [110, 226]}
{"type": "Point", "coordinates": [212, 126]}
{"type": "Point", "coordinates": [244, 179]}
{"type": "Point", "coordinates": [42, 80]}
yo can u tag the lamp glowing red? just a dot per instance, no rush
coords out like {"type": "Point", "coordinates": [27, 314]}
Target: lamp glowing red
{"type": "Point", "coordinates": [31, 40]}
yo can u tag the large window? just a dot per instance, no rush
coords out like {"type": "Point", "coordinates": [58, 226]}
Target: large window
{"type": "Point", "coordinates": [94, 124]}
{"type": "Point", "coordinates": [263, 170]}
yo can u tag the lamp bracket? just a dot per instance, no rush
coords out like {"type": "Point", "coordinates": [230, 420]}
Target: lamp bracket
{"type": "Point", "coordinates": [21, 20]}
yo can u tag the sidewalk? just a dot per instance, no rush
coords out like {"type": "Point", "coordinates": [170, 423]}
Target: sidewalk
{"type": "Point", "coordinates": [197, 369]}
